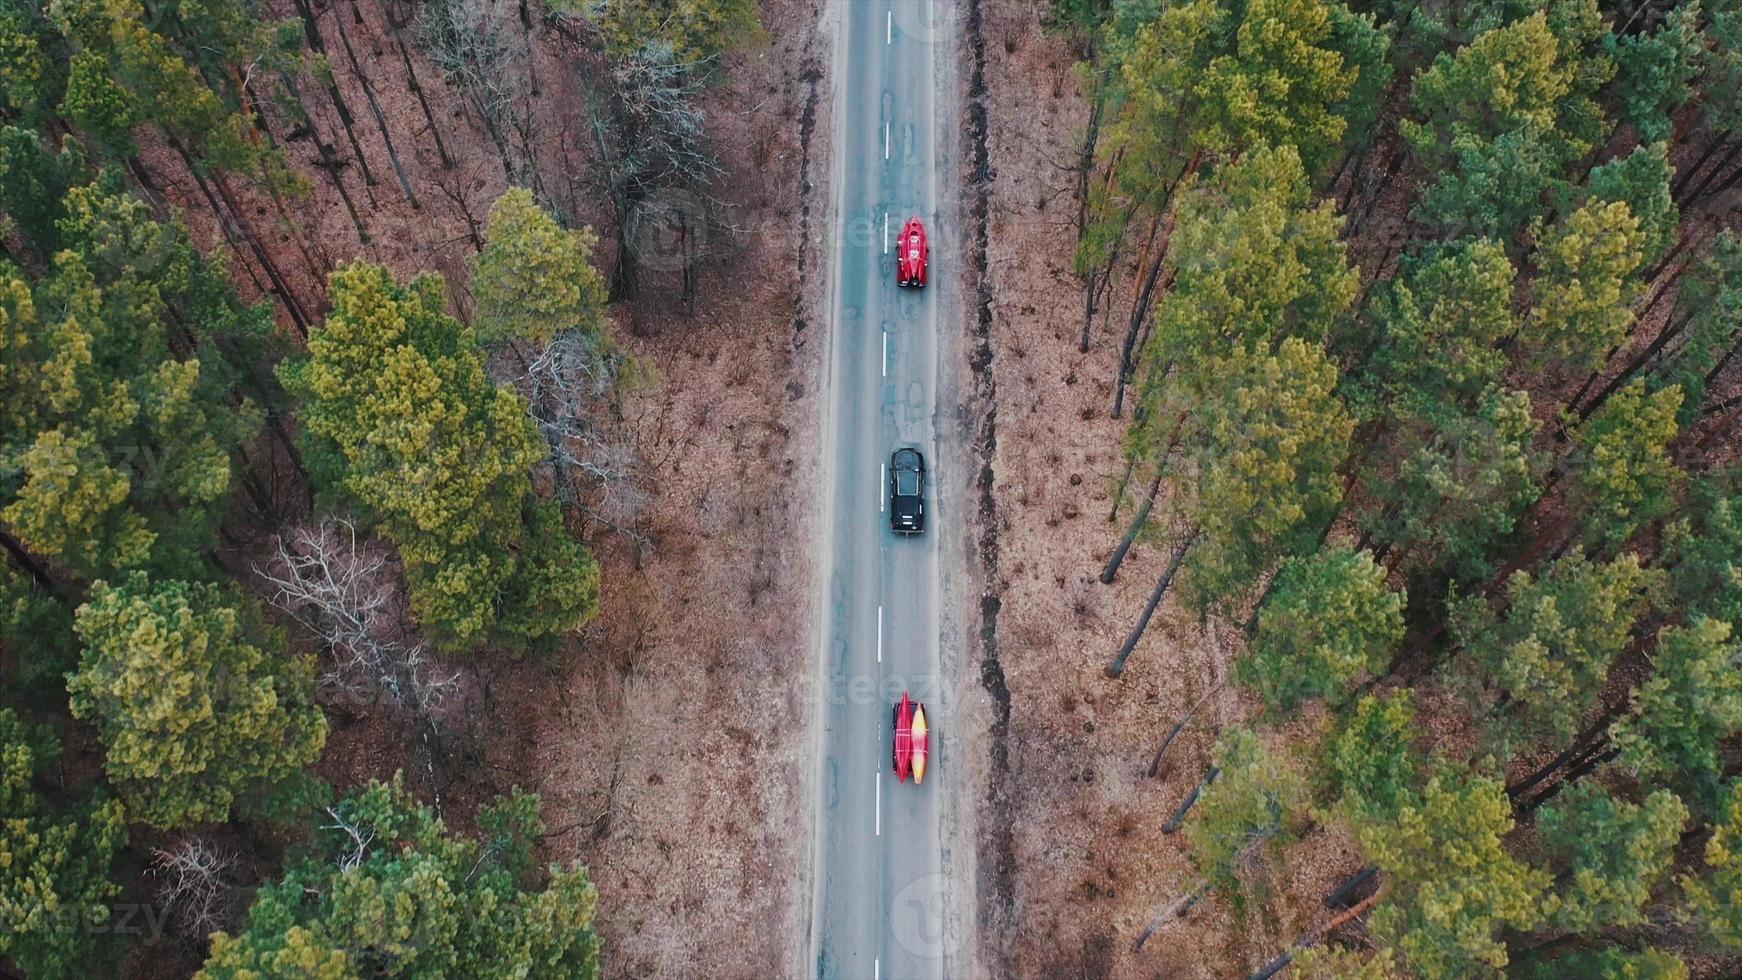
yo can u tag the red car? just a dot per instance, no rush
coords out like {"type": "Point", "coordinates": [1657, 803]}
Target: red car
{"type": "Point", "coordinates": [911, 255]}
{"type": "Point", "coordinates": [912, 739]}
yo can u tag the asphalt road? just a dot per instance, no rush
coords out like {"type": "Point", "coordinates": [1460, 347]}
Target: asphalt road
{"type": "Point", "coordinates": [878, 907]}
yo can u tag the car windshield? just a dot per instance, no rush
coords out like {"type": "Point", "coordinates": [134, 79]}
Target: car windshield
{"type": "Point", "coordinates": [907, 483]}
{"type": "Point", "coordinates": [913, 253]}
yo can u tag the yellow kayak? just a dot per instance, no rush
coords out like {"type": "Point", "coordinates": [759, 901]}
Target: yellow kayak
{"type": "Point", "coordinates": [921, 744]}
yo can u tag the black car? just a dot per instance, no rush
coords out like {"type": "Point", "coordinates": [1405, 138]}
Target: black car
{"type": "Point", "coordinates": [907, 492]}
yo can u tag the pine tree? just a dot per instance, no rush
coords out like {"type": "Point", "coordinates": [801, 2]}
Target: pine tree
{"type": "Point", "coordinates": [198, 709]}
{"type": "Point", "coordinates": [1653, 71]}
{"type": "Point", "coordinates": [1587, 284]}
{"type": "Point", "coordinates": [1715, 895]}
{"type": "Point", "coordinates": [1271, 442]}
{"type": "Point", "coordinates": [401, 420]}
{"type": "Point", "coordinates": [535, 278]}
{"type": "Point", "coordinates": [1258, 801]}
{"type": "Point", "coordinates": [117, 410]}
{"type": "Point", "coordinates": [1703, 552]}
{"type": "Point", "coordinates": [1707, 320]}
{"type": "Point", "coordinates": [1501, 121]}
{"type": "Point", "coordinates": [1623, 477]}
{"type": "Point", "coordinates": [1329, 620]}
{"type": "Point", "coordinates": [1552, 649]}
{"type": "Point", "coordinates": [1462, 486]}
{"type": "Point", "coordinates": [1438, 329]}
{"type": "Point", "coordinates": [1612, 853]}
{"type": "Point", "coordinates": [55, 878]}
{"type": "Point", "coordinates": [1678, 718]}
{"type": "Point", "coordinates": [1253, 261]}
{"type": "Point", "coordinates": [1370, 768]}
{"type": "Point", "coordinates": [1641, 180]}
{"type": "Point", "coordinates": [387, 890]}
{"type": "Point", "coordinates": [1452, 886]}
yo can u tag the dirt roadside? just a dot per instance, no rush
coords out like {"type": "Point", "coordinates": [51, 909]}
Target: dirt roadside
{"type": "Point", "coordinates": [670, 750]}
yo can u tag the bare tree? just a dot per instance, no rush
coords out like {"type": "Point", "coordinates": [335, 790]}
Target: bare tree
{"type": "Point", "coordinates": [362, 839]}
{"type": "Point", "coordinates": [343, 589]}
{"type": "Point", "coordinates": [195, 888]}
{"type": "Point", "coordinates": [478, 47]}
{"type": "Point", "coordinates": [654, 163]}
{"type": "Point", "coordinates": [570, 388]}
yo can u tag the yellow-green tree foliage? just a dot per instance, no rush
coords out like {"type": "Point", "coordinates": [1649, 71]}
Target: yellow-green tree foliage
{"type": "Point", "coordinates": [194, 715]}
{"type": "Point", "coordinates": [1254, 261]}
{"type": "Point", "coordinates": [387, 891]}
{"type": "Point", "coordinates": [177, 65]}
{"type": "Point", "coordinates": [1586, 285]}
{"type": "Point", "coordinates": [1272, 439]}
{"type": "Point", "coordinates": [695, 29]}
{"type": "Point", "coordinates": [535, 279]}
{"type": "Point", "coordinates": [1614, 853]}
{"type": "Point", "coordinates": [55, 886]}
{"type": "Point", "coordinates": [400, 419]}
{"type": "Point", "coordinates": [1259, 801]}
{"type": "Point", "coordinates": [1452, 887]}
{"type": "Point", "coordinates": [1715, 895]}
{"type": "Point", "coordinates": [115, 443]}
{"type": "Point", "coordinates": [1623, 476]}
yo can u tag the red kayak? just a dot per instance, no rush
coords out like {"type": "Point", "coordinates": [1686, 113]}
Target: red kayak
{"type": "Point", "coordinates": [912, 739]}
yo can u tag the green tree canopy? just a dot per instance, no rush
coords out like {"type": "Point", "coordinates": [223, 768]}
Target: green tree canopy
{"type": "Point", "coordinates": [1641, 180]}
{"type": "Point", "coordinates": [400, 419]}
{"type": "Point", "coordinates": [1614, 853]}
{"type": "Point", "coordinates": [116, 417]}
{"type": "Point", "coordinates": [1654, 71]}
{"type": "Point", "coordinates": [1463, 483]}
{"type": "Point", "coordinates": [1259, 802]}
{"type": "Point", "coordinates": [1271, 442]}
{"type": "Point", "coordinates": [1623, 477]}
{"type": "Point", "coordinates": [1584, 291]}
{"type": "Point", "coordinates": [1715, 895]}
{"type": "Point", "coordinates": [535, 279]}
{"type": "Point", "coordinates": [1254, 261]}
{"type": "Point", "coordinates": [1691, 703]}
{"type": "Point", "coordinates": [1552, 649]}
{"type": "Point", "coordinates": [1452, 885]}
{"type": "Point", "coordinates": [1279, 83]}
{"type": "Point", "coordinates": [1703, 552]}
{"type": "Point", "coordinates": [1439, 327]}
{"type": "Point", "coordinates": [1501, 121]}
{"type": "Point", "coordinates": [1708, 320]}
{"type": "Point", "coordinates": [1370, 768]}
{"type": "Point", "coordinates": [386, 890]}
{"type": "Point", "coordinates": [1329, 621]}
{"type": "Point", "coordinates": [54, 867]}
{"type": "Point", "coordinates": [194, 714]}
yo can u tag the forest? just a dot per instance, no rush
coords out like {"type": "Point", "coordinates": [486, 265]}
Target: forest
{"type": "Point", "coordinates": [1429, 385]}
{"type": "Point", "coordinates": [252, 483]}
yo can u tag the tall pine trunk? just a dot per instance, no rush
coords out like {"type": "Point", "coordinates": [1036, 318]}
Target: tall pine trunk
{"type": "Point", "coordinates": [1117, 667]}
